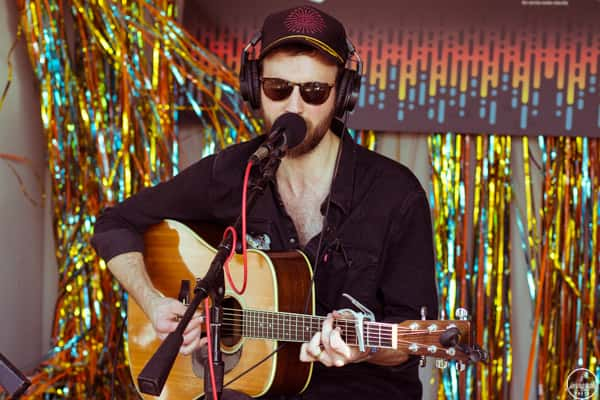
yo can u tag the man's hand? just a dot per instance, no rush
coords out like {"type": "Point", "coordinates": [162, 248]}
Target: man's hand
{"type": "Point", "coordinates": [328, 347]}
{"type": "Point", "coordinates": [165, 312]}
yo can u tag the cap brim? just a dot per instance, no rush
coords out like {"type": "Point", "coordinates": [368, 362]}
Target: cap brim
{"type": "Point", "coordinates": [311, 41]}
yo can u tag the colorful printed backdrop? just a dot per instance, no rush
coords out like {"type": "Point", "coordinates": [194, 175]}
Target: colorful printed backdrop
{"type": "Point", "coordinates": [520, 67]}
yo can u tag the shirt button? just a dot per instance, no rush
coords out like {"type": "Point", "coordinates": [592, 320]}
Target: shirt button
{"type": "Point", "coordinates": [292, 240]}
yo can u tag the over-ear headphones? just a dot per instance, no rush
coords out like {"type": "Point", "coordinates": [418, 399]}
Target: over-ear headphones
{"type": "Point", "coordinates": [348, 86]}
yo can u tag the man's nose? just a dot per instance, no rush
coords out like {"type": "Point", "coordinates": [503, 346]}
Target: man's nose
{"type": "Point", "coordinates": [295, 103]}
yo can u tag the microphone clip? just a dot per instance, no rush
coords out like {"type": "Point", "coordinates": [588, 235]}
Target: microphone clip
{"type": "Point", "coordinates": [274, 146]}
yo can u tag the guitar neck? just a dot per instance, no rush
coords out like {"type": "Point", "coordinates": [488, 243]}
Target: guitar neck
{"type": "Point", "coordinates": [292, 327]}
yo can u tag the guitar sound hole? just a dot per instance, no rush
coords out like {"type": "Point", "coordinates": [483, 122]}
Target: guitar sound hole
{"type": "Point", "coordinates": [231, 331]}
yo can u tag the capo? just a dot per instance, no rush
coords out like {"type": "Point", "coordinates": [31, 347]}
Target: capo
{"type": "Point", "coordinates": [359, 317]}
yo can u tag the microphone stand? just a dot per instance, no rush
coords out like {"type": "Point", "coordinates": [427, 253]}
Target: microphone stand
{"type": "Point", "coordinates": [152, 378]}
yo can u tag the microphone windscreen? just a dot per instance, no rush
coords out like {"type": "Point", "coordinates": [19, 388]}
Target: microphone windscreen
{"type": "Point", "coordinates": [293, 126]}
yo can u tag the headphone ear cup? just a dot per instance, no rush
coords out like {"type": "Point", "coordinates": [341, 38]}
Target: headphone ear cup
{"type": "Point", "coordinates": [348, 91]}
{"type": "Point", "coordinates": [244, 87]}
{"type": "Point", "coordinates": [353, 91]}
{"type": "Point", "coordinates": [249, 82]}
{"type": "Point", "coordinates": [340, 99]}
{"type": "Point", "coordinates": [254, 84]}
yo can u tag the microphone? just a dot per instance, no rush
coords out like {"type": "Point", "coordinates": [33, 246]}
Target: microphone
{"type": "Point", "coordinates": [288, 130]}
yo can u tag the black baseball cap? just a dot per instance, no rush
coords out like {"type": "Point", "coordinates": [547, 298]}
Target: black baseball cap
{"type": "Point", "coordinates": [308, 25]}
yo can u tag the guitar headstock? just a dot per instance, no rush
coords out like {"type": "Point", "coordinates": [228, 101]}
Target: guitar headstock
{"type": "Point", "coordinates": [442, 339]}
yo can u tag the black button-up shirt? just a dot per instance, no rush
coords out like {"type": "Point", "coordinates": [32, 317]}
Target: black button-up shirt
{"type": "Point", "coordinates": [377, 245]}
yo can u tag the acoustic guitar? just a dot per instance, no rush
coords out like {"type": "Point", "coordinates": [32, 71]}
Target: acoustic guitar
{"type": "Point", "coordinates": [270, 311]}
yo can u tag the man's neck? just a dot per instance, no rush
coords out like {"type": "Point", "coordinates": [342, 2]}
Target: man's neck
{"type": "Point", "coordinates": [313, 170]}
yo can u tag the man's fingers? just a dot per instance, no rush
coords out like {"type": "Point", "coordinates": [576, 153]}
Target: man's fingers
{"type": "Point", "coordinates": [167, 312]}
{"type": "Point", "coordinates": [188, 349]}
{"type": "Point", "coordinates": [338, 345]}
{"type": "Point", "coordinates": [176, 307]}
{"type": "Point", "coordinates": [317, 351]}
{"type": "Point", "coordinates": [326, 331]}
{"type": "Point", "coordinates": [191, 335]}
{"type": "Point", "coordinates": [314, 346]}
{"type": "Point", "coordinates": [199, 316]}
{"type": "Point", "coordinates": [304, 356]}
{"type": "Point", "coordinates": [312, 350]}
{"type": "Point", "coordinates": [165, 326]}
{"type": "Point", "coordinates": [195, 323]}
{"type": "Point", "coordinates": [203, 341]}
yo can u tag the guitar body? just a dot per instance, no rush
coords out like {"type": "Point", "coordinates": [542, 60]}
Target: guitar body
{"type": "Point", "coordinates": [277, 282]}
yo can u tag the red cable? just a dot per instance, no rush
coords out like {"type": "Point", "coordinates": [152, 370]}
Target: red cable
{"type": "Point", "coordinates": [210, 358]}
{"type": "Point", "coordinates": [229, 278]}
{"type": "Point", "coordinates": [244, 245]}
{"type": "Point", "coordinates": [231, 253]}
{"type": "Point", "coordinates": [244, 249]}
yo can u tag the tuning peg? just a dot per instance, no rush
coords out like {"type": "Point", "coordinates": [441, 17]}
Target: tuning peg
{"type": "Point", "coordinates": [440, 363]}
{"type": "Point", "coordinates": [442, 314]}
{"type": "Point", "coordinates": [422, 362]}
{"type": "Point", "coordinates": [462, 314]}
{"type": "Point", "coordinates": [423, 313]}
{"type": "Point", "coordinates": [478, 354]}
{"type": "Point", "coordinates": [450, 337]}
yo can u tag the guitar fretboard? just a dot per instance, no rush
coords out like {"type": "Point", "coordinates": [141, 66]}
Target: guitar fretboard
{"type": "Point", "coordinates": [292, 327]}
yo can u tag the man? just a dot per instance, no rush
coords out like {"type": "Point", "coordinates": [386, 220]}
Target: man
{"type": "Point", "coordinates": [367, 217]}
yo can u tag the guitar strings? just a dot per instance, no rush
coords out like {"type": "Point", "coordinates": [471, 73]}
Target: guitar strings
{"type": "Point", "coordinates": [238, 316]}
{"type": "Point", "coordinates": [350, 336]}
{"type": "Point", "coordinates": [266, 317]}
{"type": "Point", "coordinates": [249, 319]}
{"type": "Point", "coordinates": [248, 314]}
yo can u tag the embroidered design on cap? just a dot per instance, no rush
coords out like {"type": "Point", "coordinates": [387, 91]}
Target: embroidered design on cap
{"type": "Point", "coordinates": [304, 20]}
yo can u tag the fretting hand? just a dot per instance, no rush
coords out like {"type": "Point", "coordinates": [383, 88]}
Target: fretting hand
{"type": "Point", "coordinates": [328, 347]}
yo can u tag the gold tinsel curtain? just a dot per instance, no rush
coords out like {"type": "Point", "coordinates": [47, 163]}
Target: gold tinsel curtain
{"type": "Point", "coordinates": [113, 78]}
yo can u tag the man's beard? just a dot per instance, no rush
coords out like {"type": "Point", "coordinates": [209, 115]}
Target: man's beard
{"type": "Point", "coordinates": [312, 139]}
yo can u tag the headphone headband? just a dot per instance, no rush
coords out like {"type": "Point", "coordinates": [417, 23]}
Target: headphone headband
{"type": "Point", "coordinates": [347, 90]}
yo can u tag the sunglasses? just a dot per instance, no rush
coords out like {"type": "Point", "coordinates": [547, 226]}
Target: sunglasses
{"type": "Point", "coordinates": [314, 93]}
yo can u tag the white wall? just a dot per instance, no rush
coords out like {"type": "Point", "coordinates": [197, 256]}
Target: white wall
{"type": "Point", "coordinates": [27, 266]}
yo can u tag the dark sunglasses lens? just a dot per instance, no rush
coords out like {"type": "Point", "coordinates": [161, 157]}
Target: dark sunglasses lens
{"type": "Point", "coordinates": [277, 89]}
{"type": "Point", "coordinates": [315, 92]}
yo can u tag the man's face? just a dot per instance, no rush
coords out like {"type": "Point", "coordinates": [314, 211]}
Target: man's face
{"type": "Point", "coordinates": [300, 68]}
